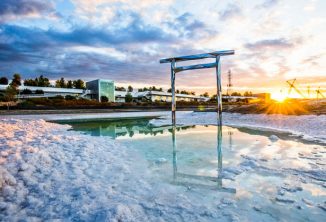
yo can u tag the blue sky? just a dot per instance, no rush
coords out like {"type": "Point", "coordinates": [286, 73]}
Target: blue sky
{"type": "Point", "coordinates": [123, 40]}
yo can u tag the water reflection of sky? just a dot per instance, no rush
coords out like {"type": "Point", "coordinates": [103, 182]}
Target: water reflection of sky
{"type": "Point", "coordinates": [256, 166]}
{"type": "Point", "coordinates": [202, 140]}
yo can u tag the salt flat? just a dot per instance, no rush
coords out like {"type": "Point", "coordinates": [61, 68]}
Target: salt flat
{"type": "Point", "coordinates": [49, 172]}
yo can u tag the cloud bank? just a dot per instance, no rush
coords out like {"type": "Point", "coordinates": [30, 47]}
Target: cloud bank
{"type": "Point", "coordinates": [123, 40]}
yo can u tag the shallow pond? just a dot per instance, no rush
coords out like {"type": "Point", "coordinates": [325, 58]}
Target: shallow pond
{"type": "Point", "coordinates": [262, 175]}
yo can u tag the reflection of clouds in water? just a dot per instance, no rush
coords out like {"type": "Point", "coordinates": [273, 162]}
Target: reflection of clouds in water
{"type": "Point", "coordinates": [255, 167]}
{"type": "Point", "coordinates": [314, 189]}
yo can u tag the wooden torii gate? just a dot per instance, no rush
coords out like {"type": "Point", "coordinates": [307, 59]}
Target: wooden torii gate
{"type": "Point", "coordinates": [217, 64]}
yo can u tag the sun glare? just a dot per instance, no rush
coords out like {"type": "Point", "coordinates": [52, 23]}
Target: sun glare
{"type": "Point", "coordinates": [279, 97]}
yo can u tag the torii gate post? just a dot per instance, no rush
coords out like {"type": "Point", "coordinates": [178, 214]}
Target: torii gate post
{"type": "Point", "coordinates": [174, 69]}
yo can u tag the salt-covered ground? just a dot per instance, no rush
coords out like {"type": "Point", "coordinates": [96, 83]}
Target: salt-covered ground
{"type": "Point", "coordinates": [87, 115]}
{"type": "Point", "coordinates": [48, 172]}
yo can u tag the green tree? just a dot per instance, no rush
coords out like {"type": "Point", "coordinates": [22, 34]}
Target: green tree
{"type": "Point", "coordinates": [70, 84]}
{"type": "Point", "coordinates": [26, 92]}
{"type": "Point", "coordinates": [246, 93]}
{"type": "Point", "coordinates": [104, 99]}
{"type": "Point", "coordinates": [120, 88]}
{"type": "Point", "coordinates": [42, 81]}
{"type": "Point", "coordinates": [176, 90]}
{"type": "Point", "coordinates": [130, 89]}
{"type": "Point", "coordinates": [16, 81]}
{"type": "Point", "coordinates": [3, 81]}
{"type": "Point", "coordinates": [205, 94]}
{"type": "Point", "coordinates": [79, 84]}
{"type": "Point", "coordinates": [236, 94]}
{"type": "Point", "coordinates": [30, 82]}
{"type": "Point", "coordinates": [60, 83]}
{"type": "Point", "coordinates": [128, 98]}
{"type": "Point", "coordinates": [10, 93]}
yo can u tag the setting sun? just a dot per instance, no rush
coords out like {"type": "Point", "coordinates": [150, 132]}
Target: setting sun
{"type": "Point", "coordinates": [279, 97]}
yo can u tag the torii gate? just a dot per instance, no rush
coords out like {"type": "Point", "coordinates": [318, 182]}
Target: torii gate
{"type": "Point", "coordinates": [174, 69]}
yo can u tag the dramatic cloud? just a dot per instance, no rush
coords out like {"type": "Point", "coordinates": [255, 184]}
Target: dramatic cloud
{"type": "Point", "coordinates": [12, 9]}
{"type": "Point", "coordinates": [123, 40]}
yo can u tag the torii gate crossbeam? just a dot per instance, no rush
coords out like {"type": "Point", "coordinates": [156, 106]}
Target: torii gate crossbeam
{"type": "Point", "coordinates": [216, 64]}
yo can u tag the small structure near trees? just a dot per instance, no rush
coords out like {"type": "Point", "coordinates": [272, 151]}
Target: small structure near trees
{"type": "Point", "coordinates": [128, 98]}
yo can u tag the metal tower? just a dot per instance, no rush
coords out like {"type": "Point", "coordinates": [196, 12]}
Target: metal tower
{"type": "Point", "coordinates": [292, 86]}
{"type": "Point", "coordinates": [229, 85]}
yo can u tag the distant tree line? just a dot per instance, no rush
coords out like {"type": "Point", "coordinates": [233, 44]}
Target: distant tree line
{"type": "Point", "coordinates": [131, 89]}
{"type": "Point", "coordinates": [182, 92]}
{"type": "Point", "coordinates": [42, 81]}
{"type": "Point", "coordinates": [246, 93]}
{"type": "Point", "coordinates": [70, 84]}
{"type": "Point", "coordinates": [121, 88]}
{"type": "Point", "coordinates": [151, 88]}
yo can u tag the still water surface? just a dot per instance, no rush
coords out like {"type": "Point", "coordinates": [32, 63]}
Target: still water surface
{"type": "Point", "coordinates": [276, 176]}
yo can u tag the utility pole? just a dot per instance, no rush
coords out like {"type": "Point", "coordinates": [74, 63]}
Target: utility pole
{"type": "Point", "coordinates": [229, 85]}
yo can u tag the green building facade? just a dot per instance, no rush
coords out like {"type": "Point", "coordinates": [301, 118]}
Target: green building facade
{"type": "Point", "coordinates": [100, 88]}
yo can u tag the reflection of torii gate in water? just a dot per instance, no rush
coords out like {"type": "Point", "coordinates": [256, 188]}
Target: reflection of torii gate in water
{"type": "Point", "coordinates": [174, 69]}
{"type": "Point", "coordinates": [218, 180]}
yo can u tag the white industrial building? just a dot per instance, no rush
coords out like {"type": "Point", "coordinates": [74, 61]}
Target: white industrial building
{"type": "Point", "coordinates": [157, 96]}
{"type": "Point", "coordinates": [95, 89]}
{"type": "Point", "coordinates": [98, 88]}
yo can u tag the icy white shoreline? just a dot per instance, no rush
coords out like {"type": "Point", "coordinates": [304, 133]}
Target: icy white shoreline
{"type": "Point", "coordinates": [308, 127]}
{"type": "Point", "coordinates": [86, 116]}
{"type": "Point", "coordinates": [47, 172]}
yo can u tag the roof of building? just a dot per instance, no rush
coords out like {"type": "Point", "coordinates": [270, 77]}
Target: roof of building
{"type": "Point", "coordinates": [47, 89]}
{"type": "Point", "coordinates": [156, 93]}
{"type": "Point", "coordinates": [101, 80]}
